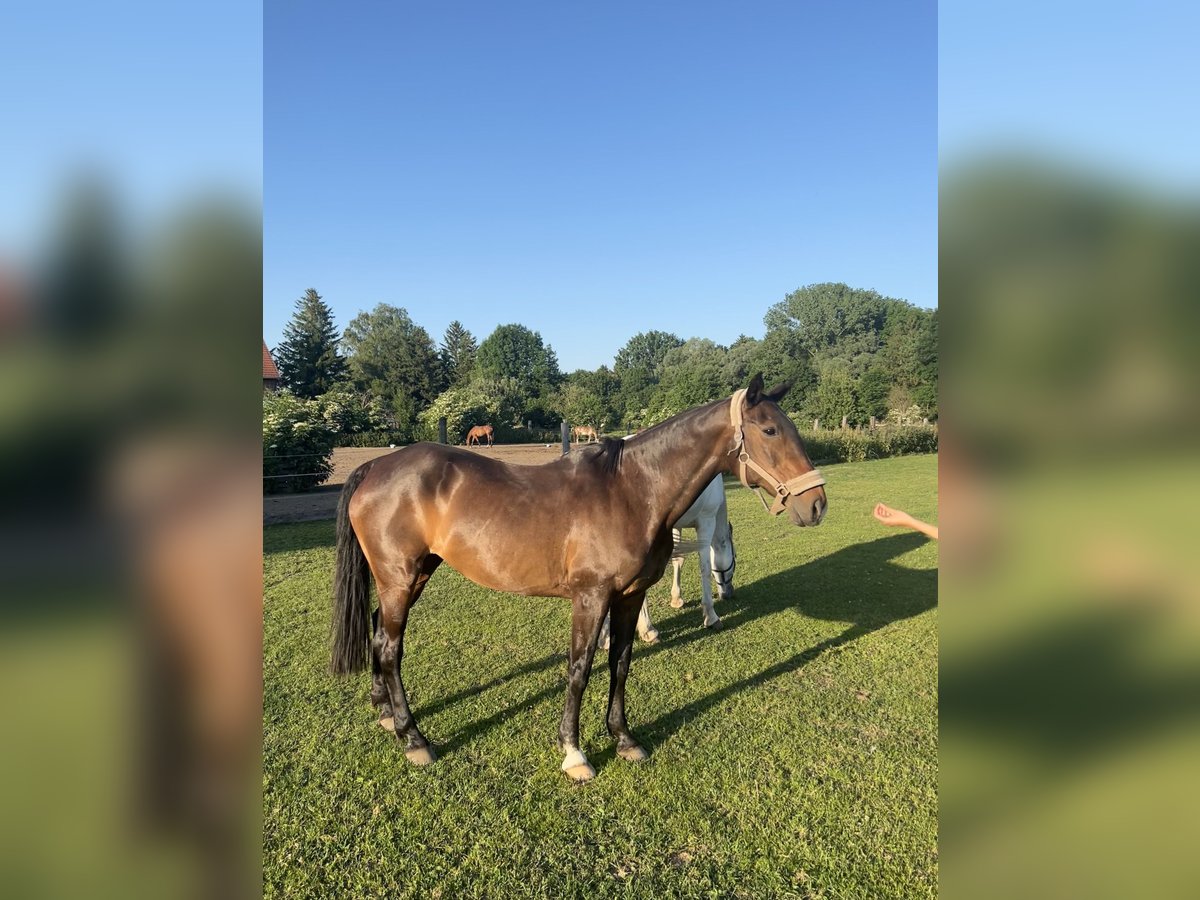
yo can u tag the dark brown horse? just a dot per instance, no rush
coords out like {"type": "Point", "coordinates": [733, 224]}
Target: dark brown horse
{"type": "Point", "coordinates": [593, 526]}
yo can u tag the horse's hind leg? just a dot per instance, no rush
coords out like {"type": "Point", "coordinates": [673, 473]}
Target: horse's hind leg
{"type": "Point", "coordinates": [645, 628]}
{"type": "Point", "coordinates": [704, 535]}
{"type": "Point", "coordinates": [395, 601]}
{"type": "Point", "coordinates": [624, 615]}
{"type": "Point", "coordinates": [379, 691]}
{"type": "Point", "coordinates": [676, 568]}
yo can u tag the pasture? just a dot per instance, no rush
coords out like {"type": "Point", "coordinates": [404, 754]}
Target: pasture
{"type": "Point", "coordinates": [793, 754]}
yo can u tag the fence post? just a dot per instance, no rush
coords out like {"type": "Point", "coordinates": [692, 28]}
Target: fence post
{"type": "Point", "coordinates": [566, 437]}
{"type": "Point", "coordinates": [872, 422]}
{"type": "Point", "coordinates": [845, 424]}
{"type": "Point", "coordinates": [816, 424]}
{"type": "Point", "coordinates": [442, 430]}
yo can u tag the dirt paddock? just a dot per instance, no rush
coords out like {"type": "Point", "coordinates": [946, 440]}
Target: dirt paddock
{"type": "Point", "coordinates": [322, 503]}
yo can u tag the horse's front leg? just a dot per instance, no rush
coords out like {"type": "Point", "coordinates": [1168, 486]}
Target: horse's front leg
{"type": "Point", "coordinates": [587, 614]}
{"type": "Point", "coordinates": [704, 535]}
{"type": "Point", "coordinates": [624, 614]}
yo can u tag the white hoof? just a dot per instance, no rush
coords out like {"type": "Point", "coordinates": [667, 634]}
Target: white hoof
{"type": "Point", "coordinates": [633, 754]}
{"type": "Point", "coordinates": [715, 625]}
{"type": "Point", "coordinates": [387, 724]}
{"type": "Point", "coordinates": [677, 603]}
{"type": "Point", "coordinates": [577, 767]}
{"type": "Point", "coordinates": [650, 637]}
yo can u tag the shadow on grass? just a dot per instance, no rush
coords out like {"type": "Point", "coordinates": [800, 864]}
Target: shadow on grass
{"type": "Point", "coordinates": [297, 536]}
{"type": "Point", "coordinates": [858, 585]}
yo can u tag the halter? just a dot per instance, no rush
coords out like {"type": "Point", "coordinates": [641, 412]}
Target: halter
{"type": "Point", "coordinates": [783, 489]}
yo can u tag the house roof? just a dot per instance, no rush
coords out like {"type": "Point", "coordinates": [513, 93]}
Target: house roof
{"type": "Point", "coordinates": [270, 372]}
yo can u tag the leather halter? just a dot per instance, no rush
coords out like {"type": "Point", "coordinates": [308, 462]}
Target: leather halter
{"type": "Point", "coordinates": [783, 489]}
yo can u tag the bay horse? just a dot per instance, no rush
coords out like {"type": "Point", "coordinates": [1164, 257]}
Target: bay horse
{"type": "Point", "coordinates": [594, 527]}
{"type": "Point", "coordinates": [585, 431]}
{"type": "Point", "coordinates": [480, 431]}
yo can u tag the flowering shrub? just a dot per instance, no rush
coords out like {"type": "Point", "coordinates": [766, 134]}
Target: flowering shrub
{"type": "Point", "coordinates": [297, 443]}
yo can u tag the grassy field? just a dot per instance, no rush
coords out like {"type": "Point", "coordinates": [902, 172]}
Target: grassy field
{"type": "Point", "coordinates": [793, 754]}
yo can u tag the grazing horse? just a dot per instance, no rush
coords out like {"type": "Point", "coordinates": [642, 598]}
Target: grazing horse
{"type": "Point", "coordinates": [585, 431]}
{"type": "Point", "coordinates": [480, 431]}
{"type": "Point", "coordinates": [709, 515]}
{"type": "Point", "coordinates": [594, 527]}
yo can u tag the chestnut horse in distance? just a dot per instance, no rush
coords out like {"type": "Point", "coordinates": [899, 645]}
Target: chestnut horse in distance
{"type": "Point", "coordinates": [480, 431]}
{"type": "Point", "coordinates": [593, 527]}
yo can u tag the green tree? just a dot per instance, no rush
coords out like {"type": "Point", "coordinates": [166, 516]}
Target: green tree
{"type": "Point", "coordinates": [692, 374]}
{"type": "Point", "coordinates": [638, 366]}
{"type": "Point", "coordinates": [585, 398]}
{"type": "Point", "coordinates": [873, 389]}
{"type": "Point", "coordinates": [780, 357]}
{"type": "Point", "coordinates": [308, 358]}
{"type": "Point", "coordinates": [834, 396]}
{"type": "Point", "coordinates": [833, 321]}
{"type": "Point", "coordinates": [516, 352]}
{"type": "Point", "coordinates": [458, 353]}
{"type": "Point", "coordinates": [645, 352]}
{"type": "Point", "coordinates": [393, 359]}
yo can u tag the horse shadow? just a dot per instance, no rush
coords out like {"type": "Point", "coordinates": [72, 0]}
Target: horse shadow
{"type": "Point", "coordinates": [858, 585]}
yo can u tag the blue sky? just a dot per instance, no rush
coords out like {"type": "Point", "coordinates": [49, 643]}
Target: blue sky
{"type": "Point", "coordinates": [595, 171]}
{"type": "Point", "coordinates": [1109, 87]}
{"type": "Point", "coordinates": [162, 100]}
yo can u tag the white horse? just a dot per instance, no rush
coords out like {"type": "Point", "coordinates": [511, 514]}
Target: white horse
{"type": "Point", "coordinates": [709, 515]}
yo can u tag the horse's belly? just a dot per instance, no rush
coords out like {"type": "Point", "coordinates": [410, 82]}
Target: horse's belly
{"type": "Point", "coordinates": [493, 565]}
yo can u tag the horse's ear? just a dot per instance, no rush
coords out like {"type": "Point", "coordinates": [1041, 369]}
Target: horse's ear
{"type": "Point", "coordinates": [776, 393]}
{"type": "Point", "coordinates": [754, 393]}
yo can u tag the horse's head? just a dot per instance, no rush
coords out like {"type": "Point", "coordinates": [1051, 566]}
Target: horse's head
{"type": "Point", "coordinates": [771, 454]}
{"type": "Point", "coordinates": [724, 560]}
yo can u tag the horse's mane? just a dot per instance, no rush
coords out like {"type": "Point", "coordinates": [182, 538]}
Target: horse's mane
{"type": "Point", "coordinates": [607, 455]}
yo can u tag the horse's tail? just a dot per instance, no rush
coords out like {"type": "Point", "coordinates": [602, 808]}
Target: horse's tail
{"type": "Point", "coordinates": [351, 630]}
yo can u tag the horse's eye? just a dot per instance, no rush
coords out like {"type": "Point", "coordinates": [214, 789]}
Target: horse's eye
{"type": "Point", "coordinates": [770, 432]}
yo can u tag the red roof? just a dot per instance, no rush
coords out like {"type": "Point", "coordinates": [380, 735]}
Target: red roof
{"type": "Point", "coordinates": [270, 373]}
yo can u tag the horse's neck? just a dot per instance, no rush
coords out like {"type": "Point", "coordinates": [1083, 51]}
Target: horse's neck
{"type": "Point", "coordinates": [677, 460]}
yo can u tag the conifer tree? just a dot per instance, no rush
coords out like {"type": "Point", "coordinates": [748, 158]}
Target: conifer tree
{"type": "Point", "coordinates": [308, 358]}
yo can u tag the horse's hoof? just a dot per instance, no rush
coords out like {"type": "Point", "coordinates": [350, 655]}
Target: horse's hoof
{"type": "Point", "coordinates": [676, 603]}
{"type": "Point", "coordinates": [581, 774]}
{"type": "Point", "coordinates": [388, 724]}
{"type": "Point", "coordinates": [715, 626]}
{"type": "Point", "coordinates": [577, 768]}
{"type": "Point", "coordinates": [634, 753]}
{"type": "Point", "coordinates": [420, 756]}
{"type": "Point", "coordinates": [650, 637]}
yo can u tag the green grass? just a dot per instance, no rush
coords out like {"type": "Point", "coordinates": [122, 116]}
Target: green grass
{"type": "Point", "coordinates": [793, 754]}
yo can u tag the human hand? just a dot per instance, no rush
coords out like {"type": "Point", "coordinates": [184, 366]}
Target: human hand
{"type": "Point", "coordinates": [894, 517]}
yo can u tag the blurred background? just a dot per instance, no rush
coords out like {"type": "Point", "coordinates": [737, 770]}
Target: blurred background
{"type": "Point", "coordinates": [1069, 266]}
{"type": "Point", "coordinates": [130, 312]}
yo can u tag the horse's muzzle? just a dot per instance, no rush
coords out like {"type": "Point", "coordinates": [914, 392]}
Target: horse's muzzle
{"type": "Point", "coordinates": [808, 509]}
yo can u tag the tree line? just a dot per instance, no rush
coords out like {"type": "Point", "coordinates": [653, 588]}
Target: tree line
{"type": "Point", "coordinates": [849, 353]}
